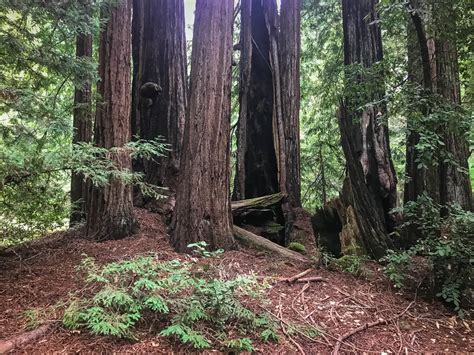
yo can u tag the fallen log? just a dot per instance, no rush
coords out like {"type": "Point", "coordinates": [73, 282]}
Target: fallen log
{"type": "Point", "coordinates": [253, 239]}
{"type": "Point", "coordinates": [257, 203]}
{"type": "Point", "coordinates": [23, 339]}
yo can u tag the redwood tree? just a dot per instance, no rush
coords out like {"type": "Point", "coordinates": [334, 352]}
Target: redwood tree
{"type": "Point", "coordinates": [159, 83]}
{"type": "Point", "coordinates": [82, 125]}
{"type": "Point", "coordinates": [202, 199]}
{"type": "Point", "coordinates": [289, 49]}
{"type": "Point", "coordinates": [110, 210]}
{"type": "Point", "coordinates": [364, 136]}
{"type": "Point", "coordinates": [433, 63]}
{"type": "Point", "coordinates": [257, 158]}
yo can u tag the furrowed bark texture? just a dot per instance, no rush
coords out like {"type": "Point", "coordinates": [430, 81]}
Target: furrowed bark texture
{"type": "Point", "coordinates": [290, 48]}
{"type": "Point", "coordinates": [455, 184]}
{"type": "Point", "coordinates": [420, 55]}
{"type": "Point", "coordinates": [82, 125]}
{"type": "Point", "coordinates": [110, 211]}
{"type": "Point", "coordinates": [203, 211]}
{"type": "Point", "coordinates": [364, 137]}
{"type": "Point", "coordinates": [433, 63]}
{"type": "Point", "coordinates": [159, 56]}
{"type": "Point", "coordinates": [257, 167]}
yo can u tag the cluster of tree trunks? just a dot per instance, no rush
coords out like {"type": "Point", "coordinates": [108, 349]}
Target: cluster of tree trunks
{"type": "Point", "coordinates": [268, 128]}
{"type": "Point", "coordinates": [159, 84]}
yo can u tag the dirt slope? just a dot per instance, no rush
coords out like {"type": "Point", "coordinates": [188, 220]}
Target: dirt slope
{"type": "Point", "coordinates": [42, 273]}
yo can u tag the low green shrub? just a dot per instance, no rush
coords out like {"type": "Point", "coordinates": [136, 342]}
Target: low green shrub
{"type": "Point", "coordinates": [447, 246]}
{"type": "Point", "coordinates": [195, 307]}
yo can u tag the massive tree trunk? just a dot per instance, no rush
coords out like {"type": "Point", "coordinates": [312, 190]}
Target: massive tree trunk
{"type": "Point", "coordinates": [262, 163]}
{"type": "Point", "coordinates": [110, 211]}
{"type": "Point", "coordinates": [364, 135]}
{"type": "Point", "coordinates": [82, 125]}
{"type": "Point", "coordinates": [432, 62]}
{"type": "Point", "coordinates": [290, 48]}
{"type": "Point", "coordinates": [203, 211]}
{"type": "Point", "coordinates": [159, 85]}
{"type": "Point", "coordinates": [257, 167]}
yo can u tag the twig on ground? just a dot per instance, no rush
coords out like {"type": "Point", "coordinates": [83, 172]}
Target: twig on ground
{"type": "Point", "coordinates": [282, 323]}
{"type": "Point", "coordinates": [367, 326]}
{"type": "Point", "coordinates": [298, 276]}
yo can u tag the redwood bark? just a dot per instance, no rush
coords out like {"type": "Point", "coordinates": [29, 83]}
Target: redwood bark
{"type": "Point", "coordinates": [290, 48]}
{"type": "Point", "coordinates": [433, 62]}
{"type": "Point", "coordinates": [203, 211]}
{"type": "Point", "coordinates": [159, 57]}
{"type": "Point", "coordinates": [82, 126]}
{"type": "Point", "coordinates": [455, 184]}
{"type": "Point", "coordinates": [257, 166]}
{"type": "Point", "coordinates": [364, 136]}
{"type": "Point", "coordinates": [110, 211]}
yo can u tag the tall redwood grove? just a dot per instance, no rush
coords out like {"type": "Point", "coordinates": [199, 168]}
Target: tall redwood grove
{"type": "Point", "coordinates": [364, 136]}
{"type": "Point", "coordinates": [110, 210]}
{"type": "Point", "coordinates": [159, 83]}
{"type": "Point", "coordinates": [82, 125]}
{"type": "Point", "coordinates": [203, 210]}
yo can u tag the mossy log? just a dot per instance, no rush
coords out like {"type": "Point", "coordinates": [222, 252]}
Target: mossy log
{"type": "Point", "coordinates": [243, 207]}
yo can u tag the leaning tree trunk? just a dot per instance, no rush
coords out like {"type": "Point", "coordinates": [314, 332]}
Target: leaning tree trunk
{"type": "Point", "coordinates": [203, 211]}
{"type": "Point", "coordinates": [290, 48]}
{"type": "Point", "coordinates": [159, 56]}
{"type": "Point", "coordinates": [364, 136]}
{"type": "Point", "coordinates": [110, 210]}
{"type": "Point", "coordinates": [82, 125]}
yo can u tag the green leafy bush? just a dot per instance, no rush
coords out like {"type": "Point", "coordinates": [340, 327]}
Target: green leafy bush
{"type": "Point", "coordinates": [202, 311]}
{"type": "Point", "coordinates": [447, 245]}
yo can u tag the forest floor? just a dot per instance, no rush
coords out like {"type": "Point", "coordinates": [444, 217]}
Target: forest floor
{"type": "Point", "coordinates": [41, 273]}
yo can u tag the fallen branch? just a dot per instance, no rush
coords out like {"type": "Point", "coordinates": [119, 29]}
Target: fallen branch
{"type": "Point", "coordinates": [347, 335]}
{"type": "Point", "coordinates": [312, 279]}
{"type": "Point", "coordinates": [262, 202]}
{"type": "Point", "coordinates": [23, 339]}
{"type": "Point", "coordinates": [253, 239]}
{"type": "Point", "coordinates": [298, 276]}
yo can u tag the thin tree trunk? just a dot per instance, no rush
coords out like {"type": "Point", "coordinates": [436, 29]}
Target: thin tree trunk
{"type": "Point", "coordinates": [290, 48]}
{"type": "Point", "coordinates": [159, 55]}
{"type": "Point", "coordinates": [364, 136]}
{"type": "Point", "coordinates": [110, 211]}
{"type": "Point", "coordinates": [203, 211]}
{"type": "Point", "coordinates": [82, 125]}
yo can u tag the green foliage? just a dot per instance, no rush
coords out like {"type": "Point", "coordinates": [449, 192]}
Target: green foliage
{"type": "Point", "coordinates": [353, 264]}
{"type": "Point", "coordinates": [298, 247]}
{"type": "Point", "coordinates": [447, 245]}
{"type": "Point", "coordinates": [198, 310]}
{"type": "Point", "coordinates": [200, 248]}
